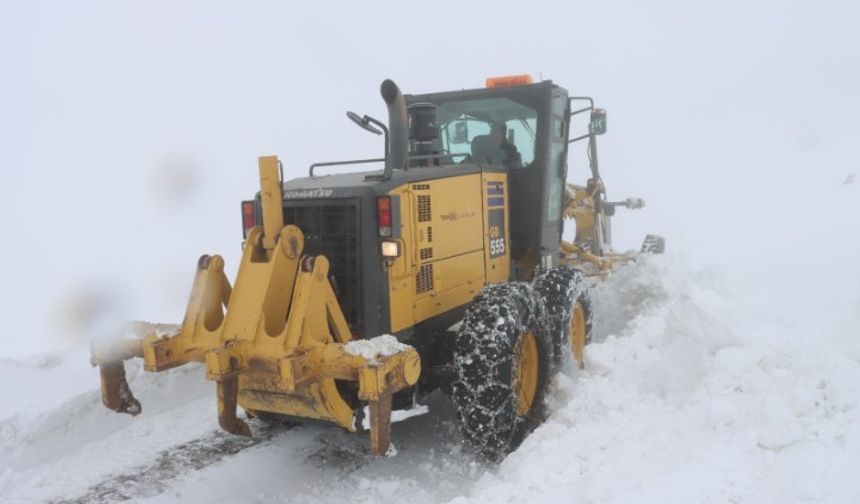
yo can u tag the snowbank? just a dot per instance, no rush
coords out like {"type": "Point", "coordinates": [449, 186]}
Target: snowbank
{"type": "Point", "coordinates": [687, 397]}
{"type": "Point", "coordinates": [698, 388]}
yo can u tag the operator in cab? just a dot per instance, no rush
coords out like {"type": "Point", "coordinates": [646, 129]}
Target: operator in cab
{"type": "Point", "coordinates": [495, 148]}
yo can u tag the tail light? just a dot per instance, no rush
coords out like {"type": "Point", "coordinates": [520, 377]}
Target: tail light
{"type": "Point", "coordinates": [383, 215]}
{"type": "Point", "coordinates": [248, 219]}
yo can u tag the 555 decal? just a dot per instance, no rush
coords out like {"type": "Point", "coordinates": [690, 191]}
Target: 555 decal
{"type": "Point", "coordinates": [496, 218]}
{"type": "Point", "coordinates": [497, 240]}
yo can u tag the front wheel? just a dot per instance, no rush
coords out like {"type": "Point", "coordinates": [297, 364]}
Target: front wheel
{"type": "Point", "coordinates": [502, 356]}
{"type": "Point", "coordinates": [567, 305]}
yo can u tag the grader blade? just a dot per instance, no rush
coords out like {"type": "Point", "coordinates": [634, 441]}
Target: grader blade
{"type": "Point", "coordinates": [274, 342]}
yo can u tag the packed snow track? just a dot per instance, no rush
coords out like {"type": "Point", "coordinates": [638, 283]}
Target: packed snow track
{"type": "Point", "coordinates": [694, 390]}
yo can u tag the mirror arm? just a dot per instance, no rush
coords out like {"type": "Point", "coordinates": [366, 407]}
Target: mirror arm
{"type": "Point", "coordinates": [381, 126]}
{"type": "Point", "coordinates": [365, 123]}
{"type": "Point", "coordinates": [590, 107]}
{"type": "Point", "coordinates": [592, 156]}
{"type": "Point", "coordinates": [586, 109]}
{"type": "Point", "coordinates": [582, 137]}
{"type": "Point", "coordinates": [599, 195]}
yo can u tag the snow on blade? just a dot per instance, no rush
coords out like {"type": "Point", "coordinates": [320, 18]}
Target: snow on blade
{"type": "Point", "coordinates": [397, 415]}
{"type": "Point", "coordinates": [137, 329]}
{"type": "Point", "coordinates": [380, 346]}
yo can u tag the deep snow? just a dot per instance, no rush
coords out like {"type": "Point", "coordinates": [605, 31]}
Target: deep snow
{"type": "Point", "coordinates": [693, 392]}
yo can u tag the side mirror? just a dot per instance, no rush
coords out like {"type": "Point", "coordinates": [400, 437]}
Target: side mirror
{"type": "Point", "coordinates": [461, 133]}
{"type": "Point", "coordinates": [363, 122]}
{"type": "Point", "coordinates": [597, 125]}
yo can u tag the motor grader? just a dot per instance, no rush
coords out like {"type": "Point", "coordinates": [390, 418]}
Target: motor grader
{"type": "Point", "coordinates": [450, 246]}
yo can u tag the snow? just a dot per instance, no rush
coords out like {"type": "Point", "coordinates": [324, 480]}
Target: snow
{"type": "Point", "coordinates": [695, 400]}
{"type": "Point", "coordinates": [693, 391]}
{"type": "Point", "coordinates": [397, 415]}
{"type": "Point", "coordinates": [372, 349]}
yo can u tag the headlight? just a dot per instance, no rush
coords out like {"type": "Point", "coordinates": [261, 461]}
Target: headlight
{"type": "Point", "coordinates": [389, 248]}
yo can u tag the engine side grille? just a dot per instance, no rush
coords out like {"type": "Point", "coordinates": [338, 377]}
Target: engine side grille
{"type": "Point", "coordinates": [424, 279]}
{"type": "Point", "coordinates": [423, 208]}
{"type": "Point", "coordinates": [331, 229]}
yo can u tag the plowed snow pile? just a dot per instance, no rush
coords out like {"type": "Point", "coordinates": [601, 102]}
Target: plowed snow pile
{"type": "Point", "coordinates": [690, 398]}
{"type": "Point", "coordinates": [697, 389]}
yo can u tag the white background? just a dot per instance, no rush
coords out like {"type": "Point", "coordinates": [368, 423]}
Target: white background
{"type": "Point", "coordinates": [129, 131]}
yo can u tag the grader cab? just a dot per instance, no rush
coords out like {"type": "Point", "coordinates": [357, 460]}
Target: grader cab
{"type": "Point", "coordinates": [445, 269]}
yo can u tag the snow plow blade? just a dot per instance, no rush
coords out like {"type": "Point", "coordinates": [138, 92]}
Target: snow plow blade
{"type": "Point", "coordinates": [276, 342]}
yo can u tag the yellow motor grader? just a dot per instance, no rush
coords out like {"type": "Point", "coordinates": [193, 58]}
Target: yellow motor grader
{"type": "Point", "coordinates": [445, 269]}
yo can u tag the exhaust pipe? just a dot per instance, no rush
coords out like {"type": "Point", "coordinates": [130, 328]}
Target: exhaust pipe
{"type": "Point", "coordinates": [398, 146]}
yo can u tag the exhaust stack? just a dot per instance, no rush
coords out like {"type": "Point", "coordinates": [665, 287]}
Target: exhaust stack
{"type": "Point", "coordinates": [398, 146]}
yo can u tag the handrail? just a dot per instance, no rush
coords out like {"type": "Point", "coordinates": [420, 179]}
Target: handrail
{"type": "Point", "coordinates": [350, 162]}
{"type": "Point", "coordinates": [377, 160]}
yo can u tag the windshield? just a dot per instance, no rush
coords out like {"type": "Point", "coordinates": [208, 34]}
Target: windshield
{"type": "Point", "coordinates": [489, 130]}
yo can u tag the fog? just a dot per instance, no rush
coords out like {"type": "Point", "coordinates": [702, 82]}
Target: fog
{"type": "Point", "coordinates": [129, 131]}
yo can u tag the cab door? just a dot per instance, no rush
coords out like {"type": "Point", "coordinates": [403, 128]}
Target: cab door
{"type": "Point", "coordinates": [554, 178]}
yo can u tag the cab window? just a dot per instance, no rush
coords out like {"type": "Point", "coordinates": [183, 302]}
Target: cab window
{"type": "Point", "coordinates": [465, 124]}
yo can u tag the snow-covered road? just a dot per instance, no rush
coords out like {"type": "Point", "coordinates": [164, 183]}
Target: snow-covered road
{"type": "Point", "coordinates": [694, 391]}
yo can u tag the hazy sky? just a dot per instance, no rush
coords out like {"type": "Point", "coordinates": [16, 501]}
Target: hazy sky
{"type": "Point", "coordinates": [129, 131]}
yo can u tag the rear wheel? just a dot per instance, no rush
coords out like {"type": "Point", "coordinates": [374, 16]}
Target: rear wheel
{"type": "Point", "coordinates": [578, 333]}
{"type": "Point", "coordinates": [567, 307]}
{"type": "Point", "coordinates": [502, 356]}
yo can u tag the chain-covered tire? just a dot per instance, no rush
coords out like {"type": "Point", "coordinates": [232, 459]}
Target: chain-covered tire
{"type": "Point", "coordinates": [566, 301]}
{"type": "Point", "coordinates": [502, 356]}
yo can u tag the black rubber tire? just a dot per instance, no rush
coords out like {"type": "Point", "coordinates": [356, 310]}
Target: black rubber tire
{"type": "Point", "coordinates": [559, 289]}
{"type": "Point", "coordinates": [484, 356]}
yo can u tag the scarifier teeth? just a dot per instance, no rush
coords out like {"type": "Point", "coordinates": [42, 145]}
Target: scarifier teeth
{"type": "Point", "coordinates": [116, 394]}
{"type": "Point", "coordinates": [227, 392]}
{"type": "Point", "coordinates": [238, 428]}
